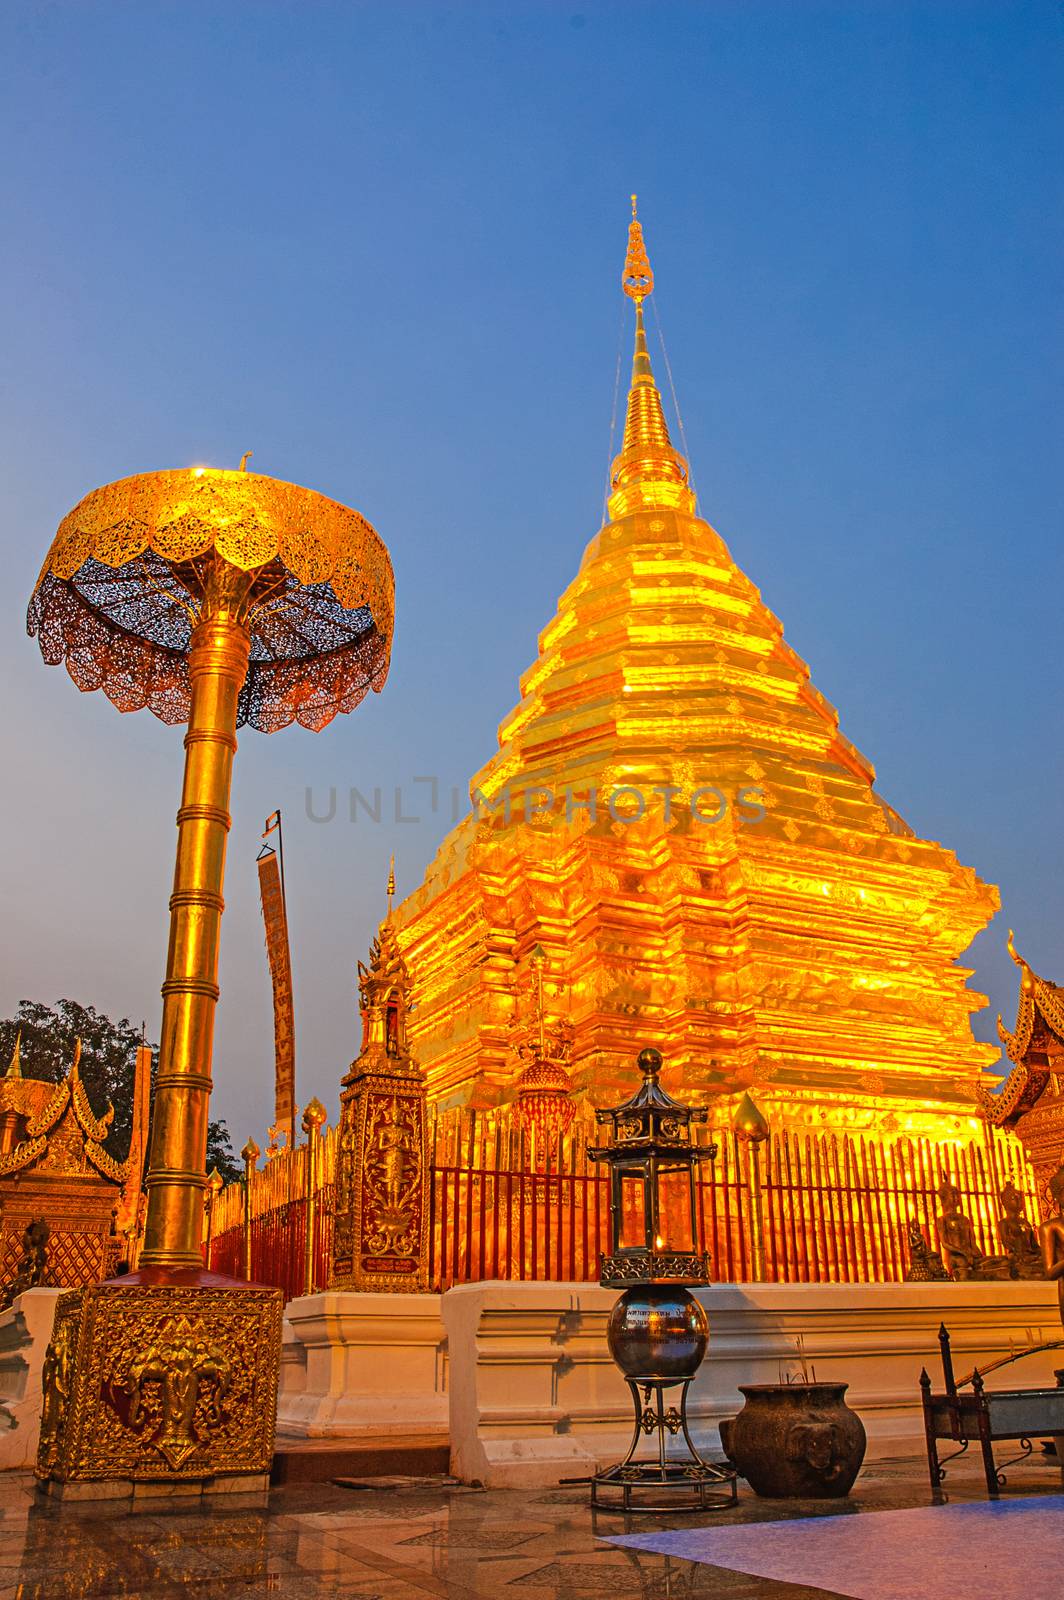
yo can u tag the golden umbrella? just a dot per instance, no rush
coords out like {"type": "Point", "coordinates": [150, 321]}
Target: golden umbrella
{"type": "Point", "coordinates": [213, 598]}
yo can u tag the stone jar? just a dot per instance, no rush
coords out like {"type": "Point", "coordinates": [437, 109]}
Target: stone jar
{"type": "Point", "coordinates": [795, 1440]}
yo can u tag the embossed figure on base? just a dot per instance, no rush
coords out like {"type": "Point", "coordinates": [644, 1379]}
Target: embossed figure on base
{"type": "Point", "coordinates": [176, 1393]}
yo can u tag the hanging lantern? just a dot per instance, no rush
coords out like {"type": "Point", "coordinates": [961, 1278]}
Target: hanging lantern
{"type": "Point", "coordinates": [545, 1097]}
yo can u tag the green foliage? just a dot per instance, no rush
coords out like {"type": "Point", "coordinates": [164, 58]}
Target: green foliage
{"type": "Point", "coordinates": [108, 1062]}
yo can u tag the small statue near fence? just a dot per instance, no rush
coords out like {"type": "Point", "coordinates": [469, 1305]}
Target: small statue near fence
{"type": "Point", "coordinates": [1051, 1236]}
{"type": "Point", "coordinates": [32, 1270]}
{"type": "Point", "coordinates": [925, 1264]}
{"type": "Point", "coordinates": [1018, 1237]}
{"type": "Point", "coordinates": [960, 1250]}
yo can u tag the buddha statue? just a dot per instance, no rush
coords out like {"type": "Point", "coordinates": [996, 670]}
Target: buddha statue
{"type": "Point", "coordinates": [1018, 1237]}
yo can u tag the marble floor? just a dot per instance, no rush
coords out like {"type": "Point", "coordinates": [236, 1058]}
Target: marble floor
{"type": "Point", "coordinates": [419, 1538]}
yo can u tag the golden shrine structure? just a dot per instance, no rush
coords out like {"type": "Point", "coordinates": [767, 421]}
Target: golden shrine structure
{"type": "Point", "coordinates": [1031, 1101]}
{"type": "Point", "coordinates": [380, 1214]}
{"type": "Point", "coordinates": [674, 815]}
{"type": "Point", "coordinates": [674, 845]}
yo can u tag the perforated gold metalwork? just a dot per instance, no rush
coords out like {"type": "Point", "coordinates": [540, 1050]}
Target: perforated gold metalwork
{"type": "Point", "coordinates": [139, 562]}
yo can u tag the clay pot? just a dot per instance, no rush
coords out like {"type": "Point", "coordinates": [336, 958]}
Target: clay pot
{"type": "Point", "coordinates": [795, 1440]}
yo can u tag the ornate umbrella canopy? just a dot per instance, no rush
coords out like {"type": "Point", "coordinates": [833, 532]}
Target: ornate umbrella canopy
{"type": "Point", "coordinates": [137, 564]}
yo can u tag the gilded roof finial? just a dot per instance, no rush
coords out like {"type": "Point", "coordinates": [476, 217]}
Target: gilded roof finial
{"type": "Point", "coordinates": [749, 1121]}
{"type": "Point", "coordinates": [15, 1069]}
{"type": "Point", "coordinates": [648, 471]}
{"type": "Point", "coordinates": [637, 280]}
{"type": "Point", "coordinates": [391, 884]}
{"type": "Point", "coordinates": [1024, 966]}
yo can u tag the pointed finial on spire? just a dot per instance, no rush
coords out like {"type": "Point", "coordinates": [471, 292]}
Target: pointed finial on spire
{"type": "Point", "coordinates": [391, 883]}
{"type": "Point", "coordinates": [637, 280]}
{"type": "Point", "coordinates": [15, 1069]}
{"type": "Point", "coordinates": [648, 471]}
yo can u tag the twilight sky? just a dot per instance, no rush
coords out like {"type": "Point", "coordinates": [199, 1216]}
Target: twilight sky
{"type": "Point", "coordinates": [380, 245]}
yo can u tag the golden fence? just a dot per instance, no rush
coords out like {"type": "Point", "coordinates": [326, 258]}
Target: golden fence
{"type": "Point", "coordinates": [505, 1204]}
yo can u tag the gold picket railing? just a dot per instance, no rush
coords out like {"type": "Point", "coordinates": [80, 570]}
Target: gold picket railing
{"type": "Point", "coordinates": [833, 1207]}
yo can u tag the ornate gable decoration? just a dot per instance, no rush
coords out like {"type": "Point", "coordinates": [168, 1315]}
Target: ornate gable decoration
{"type": "Point", "coordinates": [1038, 1034]}
{"type": "Point", "coordinates": [65, 1136]}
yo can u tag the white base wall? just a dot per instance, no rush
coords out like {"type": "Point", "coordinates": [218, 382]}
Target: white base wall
{"type": "Point", "coordinates": [521, 1374]}
{"type": "Point", "coordinates": [536, 1397]}
{"type": "Point", "coordinates": [363, 1364]}
{"type": "Point", "coordinates": [25, 1332]}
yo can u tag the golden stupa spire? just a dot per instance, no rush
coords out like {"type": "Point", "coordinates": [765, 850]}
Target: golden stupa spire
{"type": "Point", "coordinates": [15, 1069]}
{"type": "Point", "coordinates": [648, 471]}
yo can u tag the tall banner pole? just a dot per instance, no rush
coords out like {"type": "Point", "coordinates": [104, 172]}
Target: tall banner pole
{"type": "Point", "coordinates": [278, 950]}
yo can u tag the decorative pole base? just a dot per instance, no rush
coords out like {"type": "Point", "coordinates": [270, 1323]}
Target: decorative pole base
{"type": "Point", "coordinates": [161, 1385]}
{"type": "Point", "coordinates": [673, 1483]}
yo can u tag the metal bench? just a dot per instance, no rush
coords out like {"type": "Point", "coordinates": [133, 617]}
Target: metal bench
{"type": "Point", "coordinates": [967, 1411]}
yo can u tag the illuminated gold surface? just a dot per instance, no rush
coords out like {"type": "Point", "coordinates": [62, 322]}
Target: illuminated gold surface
{"type": "Point", "coordinates": [176, 1178]}
{"type": "Point", "coordinates": [127, 579]}
{"type": "Point", "coordinates": [811, 955]}
{"type": "Point", "coordinates": [160, 1382]}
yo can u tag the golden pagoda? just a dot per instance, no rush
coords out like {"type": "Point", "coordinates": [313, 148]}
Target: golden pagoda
{"type": "Point", "coordinates": [674, 817]}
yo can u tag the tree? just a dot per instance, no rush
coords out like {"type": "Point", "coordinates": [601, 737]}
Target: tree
{"type": "Point", "coordinates": [108, 1063]}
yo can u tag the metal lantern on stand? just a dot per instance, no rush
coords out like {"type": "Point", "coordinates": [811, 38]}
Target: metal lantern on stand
{"type": "Point", "coordinates": [657, 1330]}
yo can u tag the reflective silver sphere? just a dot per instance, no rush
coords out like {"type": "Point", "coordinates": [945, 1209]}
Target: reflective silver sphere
{"type": "Point", "coordinates": [657, 1330]}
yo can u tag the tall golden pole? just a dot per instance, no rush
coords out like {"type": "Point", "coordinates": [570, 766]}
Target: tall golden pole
{"type": "Point", "coordinates": [752, 1129]}
{"type": "Point", "coordinates": [212, 598]}
{"type": "Point", "coordinates": [217, 667]}
{"type": "Point", "coordinates": [249, 1155]}
{"type": "Point", "coordinates": [313, 1121]}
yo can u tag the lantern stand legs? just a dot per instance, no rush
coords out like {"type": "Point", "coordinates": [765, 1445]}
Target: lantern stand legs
{"type": "Point", "coordinates": [707, 1486]}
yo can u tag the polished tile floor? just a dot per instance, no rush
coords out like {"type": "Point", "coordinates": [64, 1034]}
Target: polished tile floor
{"type": "Point", "coordinates": [416, 1539]}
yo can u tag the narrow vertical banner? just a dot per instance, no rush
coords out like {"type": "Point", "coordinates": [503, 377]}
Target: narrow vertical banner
{"type": "Point", "coordinates": [278, 954]}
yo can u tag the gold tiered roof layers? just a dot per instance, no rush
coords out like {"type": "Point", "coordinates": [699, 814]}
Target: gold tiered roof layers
{"type": "Point", "coordinates": [812, 954]}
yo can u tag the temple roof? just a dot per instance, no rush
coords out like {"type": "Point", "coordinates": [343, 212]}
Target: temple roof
{"type": "Point", "coordinates": [58, 1113]}
{"type": "Point", "coordinates": [1039, 1022]}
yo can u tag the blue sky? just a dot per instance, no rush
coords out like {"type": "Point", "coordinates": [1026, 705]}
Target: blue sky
{"type": "Point", "coordinates": [380, 246]}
